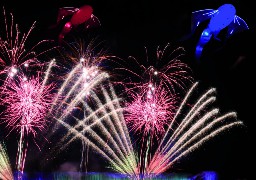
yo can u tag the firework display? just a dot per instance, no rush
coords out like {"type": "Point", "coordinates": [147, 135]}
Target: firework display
{"type": "Point", "coordinates": [139, 117]}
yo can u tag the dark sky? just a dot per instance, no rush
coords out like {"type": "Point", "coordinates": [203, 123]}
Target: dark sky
{"type": "Point", "coordinates": [129, 26]}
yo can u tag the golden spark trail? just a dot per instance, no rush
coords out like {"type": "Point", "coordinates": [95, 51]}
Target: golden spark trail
{"type": "Point", "coordinates": [179, 110]}
{"type": "Point", "coordinates": [112, 139]}
{"type": "Point", "coordinates": [64, 85]}
{"type": "Point", "coordinates": [108, 151]}
{"type": "Point", "coordinates": [98, 121]}
{"type": "Point", "coordinates": [186, 122]}
{"type": "Point", "coordinates": [190, 148]}
{"type": "Point", "coordinates": [200, 105]}
{"type": "Point", "coordinates": [197, 127]}
{"type": "Point", "coordinates": [83, 92]}
{"type": "Point", "coordinates": [186, 135]}
{"type": "Point", "coordinates": [47, 73]}
{"type": "Point", "coordinates": [187, 139]}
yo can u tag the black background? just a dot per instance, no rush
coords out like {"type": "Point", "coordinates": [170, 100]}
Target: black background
{"type": "Point", "coordinates": [129, 26]}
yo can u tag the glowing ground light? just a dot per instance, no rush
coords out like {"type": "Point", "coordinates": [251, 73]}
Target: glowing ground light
{"type": "Point", "coordinates": [206, 175]}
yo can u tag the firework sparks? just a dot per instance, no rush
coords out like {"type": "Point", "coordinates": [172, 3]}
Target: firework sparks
{"type": "Point", "coordinates": [151, 90]}
{"type": "Point", "coordinates": [165, 69]}
{"type": "Point", "coordinates": [84, 77]}
{"type": "Point", "coordinates": [79, 84]}
{"type": "Point", "coordinates": [86, 71]}
{"type": "Point", "coordinates": [148, 114]}
{"type": "Point", "coordinates": [87, 54]}
{"type": "Point", "coordinates": [15, 56]}
{"type": "Point", "coordinates": [199, 125]}
{"type": "Point", "coordinates": [103, 129]}
{"type": "Point", "coordinates": [5, 167]}
{"type": "Point", "coordinates": [150, 111]}
{"type": "Point", "coordinates": [27, 101]}
{"type": "Point", "coordinates": [151, 107]}
{"type": "Point", "coordinates": [103, 126]}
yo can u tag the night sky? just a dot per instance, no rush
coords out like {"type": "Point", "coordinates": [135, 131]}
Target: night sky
{"type": "Point", "coordinates": [129, 26]}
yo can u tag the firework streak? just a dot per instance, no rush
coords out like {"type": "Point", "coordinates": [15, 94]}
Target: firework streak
{"type": "Point", "coordinates": [189, 131]}
{"type": "Point", "coordinates": [103, 128]}
{"type": "Point", "coordinates": [5, 167]}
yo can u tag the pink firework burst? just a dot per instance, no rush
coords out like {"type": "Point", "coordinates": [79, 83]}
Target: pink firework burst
{"type": "Point", "coordinates": [26, 102]}
{"type": "Point", "coordinates": [165, 68]}
{"type": "Point", "coordinates": [15, 55]}
{"type": "Point", "coordinates": [150, 110]}
{"type": "Point", "coordinates": [151, 88]}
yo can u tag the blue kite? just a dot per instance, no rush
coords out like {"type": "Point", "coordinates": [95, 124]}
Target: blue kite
{"type": "Point", "coordinates": [224, 16]}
